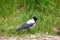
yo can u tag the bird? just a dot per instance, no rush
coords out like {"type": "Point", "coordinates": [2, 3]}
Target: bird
{"type": "Point", "coordinates": [29, 24]}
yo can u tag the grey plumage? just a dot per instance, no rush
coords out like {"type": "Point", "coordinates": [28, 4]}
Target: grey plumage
{"type": "Point", "coordinates": [25, 26]}
{"type": "Point", "coordinates": [28, 24]}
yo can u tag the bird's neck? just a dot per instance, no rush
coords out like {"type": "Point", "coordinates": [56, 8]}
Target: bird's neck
{"type": "Point", "coordinates": [34, 20]}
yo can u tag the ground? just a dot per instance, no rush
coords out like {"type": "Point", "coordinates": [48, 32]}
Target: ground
{"type": "Point", "coordinates": [32, 37]}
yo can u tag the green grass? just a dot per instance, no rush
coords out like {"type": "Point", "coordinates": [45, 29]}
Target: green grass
{"type": "Point", "coordinates": [14, 13]}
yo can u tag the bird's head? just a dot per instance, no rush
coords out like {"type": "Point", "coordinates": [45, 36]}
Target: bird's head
{"type": "Point", "coordinates": [35, 18]}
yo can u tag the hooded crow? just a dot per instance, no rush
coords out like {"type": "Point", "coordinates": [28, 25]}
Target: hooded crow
{"type": "Point", "coordinates": [29, 24]}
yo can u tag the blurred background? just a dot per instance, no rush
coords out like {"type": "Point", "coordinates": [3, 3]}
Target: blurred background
{"type": "Point", "coordinates": [13, 13]}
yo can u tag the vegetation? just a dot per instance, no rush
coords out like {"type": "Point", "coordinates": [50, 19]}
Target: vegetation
{"type": "Point", "coordinates": [13, 13]}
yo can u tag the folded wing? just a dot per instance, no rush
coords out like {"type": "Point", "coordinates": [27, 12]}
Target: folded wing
{"type": "Point", "coordinates": [25, 26]}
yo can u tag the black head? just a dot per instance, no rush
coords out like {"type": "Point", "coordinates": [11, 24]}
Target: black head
{"type": "Point", "coordinates": [35, 18]}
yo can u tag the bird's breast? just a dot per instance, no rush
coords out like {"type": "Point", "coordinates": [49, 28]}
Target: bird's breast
{"type": "Point", "coordinates": [30, 21]}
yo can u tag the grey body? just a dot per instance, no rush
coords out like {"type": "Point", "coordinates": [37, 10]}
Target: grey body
{"type": "Point", "coordinates": [28, 24]}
